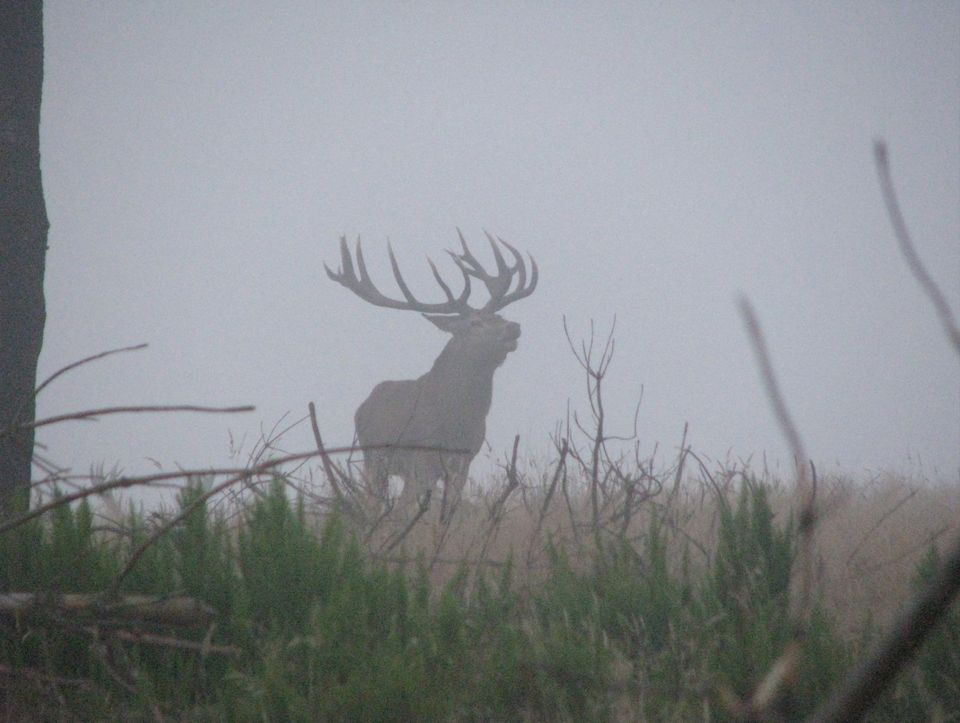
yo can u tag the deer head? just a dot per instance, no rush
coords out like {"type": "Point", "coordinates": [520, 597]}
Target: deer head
{"type": "Point", "coordinates": [446, 408]}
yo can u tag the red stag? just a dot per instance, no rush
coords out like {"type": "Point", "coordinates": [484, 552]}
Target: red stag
{"type": "Point", "coordinates": [444, 411]}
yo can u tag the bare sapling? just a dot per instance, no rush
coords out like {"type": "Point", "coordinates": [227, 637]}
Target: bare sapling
{"type": "Point", "coordinates": [619, 484]}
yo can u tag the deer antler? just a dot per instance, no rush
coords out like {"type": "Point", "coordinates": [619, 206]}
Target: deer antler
{"type": "Point", "coordinates": [356, 278]}
{"type": "Point", "coordinates": [498, 285]}
{"type": "Point", "coordinates": [363, 286]}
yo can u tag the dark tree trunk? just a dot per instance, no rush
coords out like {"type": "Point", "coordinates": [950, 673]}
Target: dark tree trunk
{"type": "Point", "coordinates": [23, 240]}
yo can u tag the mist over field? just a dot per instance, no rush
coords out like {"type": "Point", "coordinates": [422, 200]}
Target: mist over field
{"type": "Point", "coordinates": [201, 162]}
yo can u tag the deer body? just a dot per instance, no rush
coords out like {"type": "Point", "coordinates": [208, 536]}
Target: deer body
{"type": "Point", "coordinates": [442, 413]}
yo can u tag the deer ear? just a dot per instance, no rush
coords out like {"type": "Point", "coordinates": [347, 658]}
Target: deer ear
{"type": "Point", "coordinates": [443, 323]}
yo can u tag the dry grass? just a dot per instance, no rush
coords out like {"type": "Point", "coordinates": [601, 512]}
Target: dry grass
{"type": "Point", "coordinates": [869, 539]}
{"type": "Point", "coordinates": [872, 538]}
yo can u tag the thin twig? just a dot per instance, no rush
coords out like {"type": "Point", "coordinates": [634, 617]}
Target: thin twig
{"type": "Point", "coordinates": [574, 524]}
{"type": "Point", "coordinates": [424, 505]}
{"type": "Point", "coordinates": [784, 669]}
{"type": "Point", "coordinates": [125, 482]}
{"type": "Point", "coordinates": [551, 489]}
{"type": "Point", "coordinates": [512, 481]}
{"type": "Point", "coordinates": [907, 248]}
{"type": "Point", "coordinates": [883, 518]}
{"type": "Point", "coordinates": [93, 413]}
{"type": "Point", "coordinates": [496, 512]}
{"type": "Point", "coordinates": [771, 385]}
{"type": "Point", "coordinates": [789, 431]}
{"type": "Point", "coordinates": [100, 648]}
{"type": "Point", "coordinates": [681, 458]}
{"type": "Point", "coordinates": [173, 522]}
{"type": "Point", "coordinates": [324, 457]}
{"type": "Point", "coordinates": [46, 382]}
{"type": "Point", "coordinates": [904, 553]}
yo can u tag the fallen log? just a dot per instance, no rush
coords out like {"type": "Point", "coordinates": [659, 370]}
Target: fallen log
{"type": "Point", "coordinates": [163, 610]}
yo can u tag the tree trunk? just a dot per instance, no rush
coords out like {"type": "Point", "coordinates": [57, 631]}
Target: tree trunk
{"type": "Point", "coordinates": [23, 241]}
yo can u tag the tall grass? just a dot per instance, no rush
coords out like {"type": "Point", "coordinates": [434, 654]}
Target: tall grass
{"type": "Point", "coordinates": [312, 624]}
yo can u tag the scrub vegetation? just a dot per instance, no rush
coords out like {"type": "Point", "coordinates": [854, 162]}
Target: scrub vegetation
{"type": "Point", "coordinates": [514, 610]}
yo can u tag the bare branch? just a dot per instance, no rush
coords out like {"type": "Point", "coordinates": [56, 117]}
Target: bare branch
{"type": "Point", "coordinates": [324, 457]}
{"type": "Point", "coordinates": [910, 255]}
{"type": "Point", "coordinates": [785, 667]}
{"type": "Point", "coordinates": [92, 414]}
{"type": "Point", "coordinates": [873, 528]}
{"type": "Point", "coordinates": [194, 504]}
{"type": "Point", "coordinates": [81, 362]}
{"type": "Point", "coordinates": [772, 387]}
{"type": "Point", "coordinates": [423, 506]}
{"type": "Point", "coordinates": [125, 482]}
{"type": "Point", "coordinates": [512, 482]}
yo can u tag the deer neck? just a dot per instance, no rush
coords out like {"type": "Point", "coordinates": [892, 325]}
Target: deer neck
{"type": "Point", "coordinates": [461, 379]}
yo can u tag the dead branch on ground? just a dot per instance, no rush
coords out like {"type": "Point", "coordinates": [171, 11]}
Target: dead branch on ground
{"type": "Point", "coordinates": [179, 610]}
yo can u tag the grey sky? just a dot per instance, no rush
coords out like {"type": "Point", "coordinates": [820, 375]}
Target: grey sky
{"type": "Point", "coordinates": [201, 159]}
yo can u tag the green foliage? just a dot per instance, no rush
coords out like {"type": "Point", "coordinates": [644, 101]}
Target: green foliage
{"type": "Point", "coordinates": [569, 648]}
{"type": "Point", "coordinates": [63, 555]}
{"type": "Point", "coordinates": [203, 558]}
{"type": "Point", "coordinates": [745, 601]}
{"type": "Point", "coordinates": [929, 688]}
{"type": "Point", "coordinates": [743, 608]}
{"type": "Point", "coordinates": [324, 632]}
{"type": "Point", "coordinates": [279, 560]}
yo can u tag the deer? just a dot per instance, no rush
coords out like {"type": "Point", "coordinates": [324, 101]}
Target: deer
{"type": "Point", "coordinates": [429, 429]}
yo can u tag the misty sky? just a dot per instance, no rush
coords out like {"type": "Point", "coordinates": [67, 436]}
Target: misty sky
{"type": "Point", "coordinates": [201, 160]}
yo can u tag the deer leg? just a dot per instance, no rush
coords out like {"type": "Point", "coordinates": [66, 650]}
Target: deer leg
{"type": "Point", "coordinates": [377, 481]}
{"type": "Point", "coordinates": [408, 496]}
{"type": "Point", "coordinates": [454, 480]}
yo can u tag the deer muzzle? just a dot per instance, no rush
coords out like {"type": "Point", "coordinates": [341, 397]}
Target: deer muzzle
{"type": "Point", "coordinates": [510, 336]}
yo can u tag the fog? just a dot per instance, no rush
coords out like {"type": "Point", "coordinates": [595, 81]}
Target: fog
{"type": "Point", "coordinates": [201, 161]}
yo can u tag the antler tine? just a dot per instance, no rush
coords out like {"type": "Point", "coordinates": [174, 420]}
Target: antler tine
{"type": "Point", "coordinates": [519, 267]}
{"type": "Point", "coordinates": [404, 289]}
{"type": "Point", "coordinates": [498, 284]}
{"type": "Point", "coordinates": [502, 267]}
{"type": "Point", "coordinates": [446, 289]}
{"type": "Point", "coordinates": [523, 290]}
{"type": "Point", "coordinates": [361, 265]}
{"type": "Point", "coordinates": [476, 269]}
{"type": "Point", "coordinates": [345, 272]}
{"type": "Point", "coordinates": [355, 277]}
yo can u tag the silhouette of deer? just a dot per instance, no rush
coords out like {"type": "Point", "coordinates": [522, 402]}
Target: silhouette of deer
{"type": "Point", "coordinates": [444, 411]}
